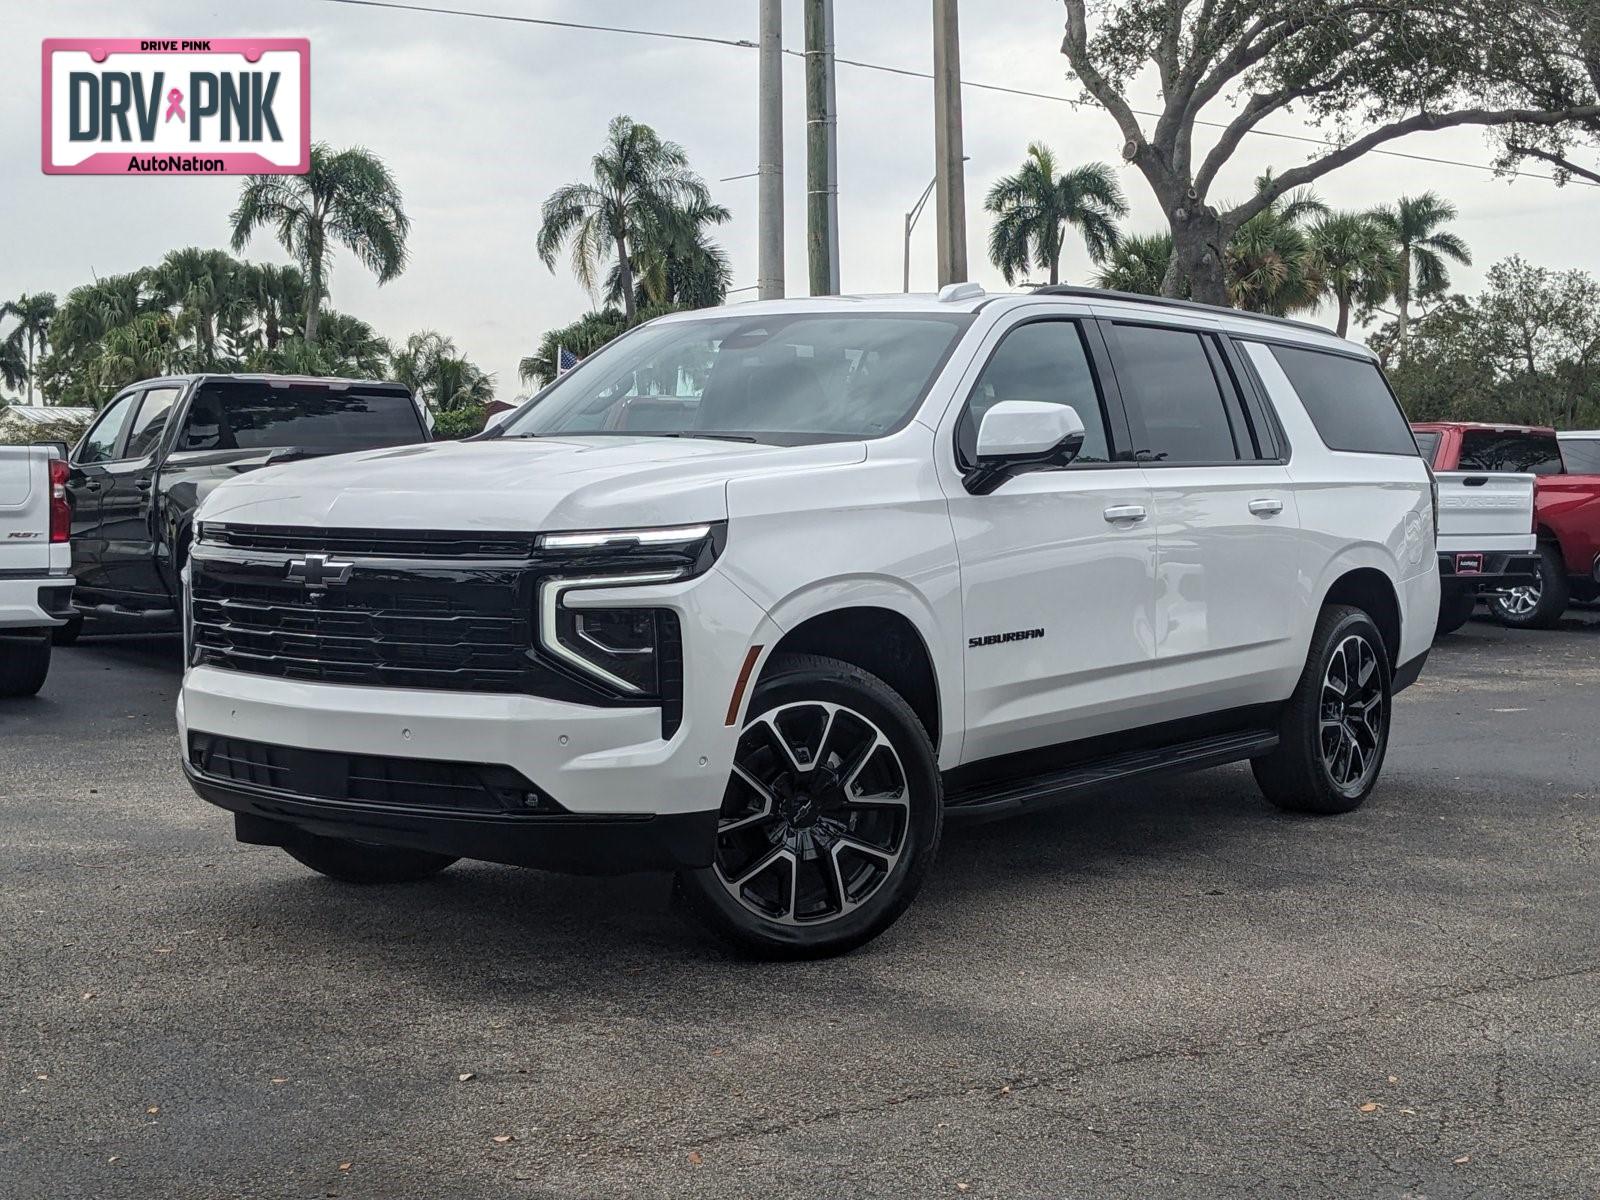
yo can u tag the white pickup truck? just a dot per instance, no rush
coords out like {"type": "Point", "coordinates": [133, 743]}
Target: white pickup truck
{"type": "Point", "coordinates": [35, 563]}
{"type": "Point", "coordinates": [1486, 539]}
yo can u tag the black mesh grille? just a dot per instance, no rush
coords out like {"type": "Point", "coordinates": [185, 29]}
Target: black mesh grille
{"type": "Point", "coordinates": [367, 778]}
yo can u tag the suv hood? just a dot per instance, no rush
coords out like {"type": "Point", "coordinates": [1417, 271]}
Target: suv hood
{"type": "Point", "coordinates": [531, 484]}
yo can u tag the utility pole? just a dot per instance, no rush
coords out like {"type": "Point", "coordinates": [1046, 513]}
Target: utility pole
{"type": "Point", "coordinates": [822, 185]}
{"type": "Point", "coordinates": [950, 206]}
{"type": "Point", "coordinates": [769, 195]}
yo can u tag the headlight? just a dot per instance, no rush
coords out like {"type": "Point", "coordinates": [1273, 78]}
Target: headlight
{"type": "Point", "coordinates": [635, 651]}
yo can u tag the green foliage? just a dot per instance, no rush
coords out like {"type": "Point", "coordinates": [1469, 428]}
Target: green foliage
{"type": "Point", "coordinates": [1526, 350]}
{"type": "Point", "coordinates": [1137, 264]}
{"type": "Point", "coordinates": [20, 433]}
{"type": "Point", "coordinates": [1270, 267]}
{"type": "Point", "coordinates": [1356, 259]}
{"type": "Point", "coordinates": [644, 210]}
{"type": "Point", "coordinates": [456, 423]}
{"type": "Point", "coordinates": [1034, 207]}
{"type": "Point", "coordinates": [347, 198]}
{"type": "Point", "coordinates": [583, 337]}
{"type": "Point", "coordinates": [28, 339]}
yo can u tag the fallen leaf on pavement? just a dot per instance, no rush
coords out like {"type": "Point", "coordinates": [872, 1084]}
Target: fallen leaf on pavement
{"type": "Point", "coordinates": [963, 1187]}
{"type": "Point", "coordinates": [1465, 1158]}
{"type": "Point", "coordinates": [464, 1076]}
{"type": "Point", "coordinates": [280, 1079]}
{"type": "Point", "coordinates": [695, 1159]}
{"type": "Point", "coordinates": [1370, 1107]}
{"type": "Point", "coordinates": [153, 1109]}
{"type": "Point", "coordinates": [502, 1138]}
{"type": "Point", "coordinates": [344, 1166]}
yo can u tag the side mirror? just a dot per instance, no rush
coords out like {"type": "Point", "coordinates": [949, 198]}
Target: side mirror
{"type": "Point", "coordinates": [1017, 436]}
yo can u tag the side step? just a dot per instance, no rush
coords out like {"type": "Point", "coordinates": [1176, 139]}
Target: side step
{"type": "Point", "coordinates": [1014, 795]}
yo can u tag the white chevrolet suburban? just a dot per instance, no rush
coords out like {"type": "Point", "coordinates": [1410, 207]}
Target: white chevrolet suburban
{"type": "Point", "coordinates": [763, 595]}
{"type": "Point", "coordinates": [35, 563]}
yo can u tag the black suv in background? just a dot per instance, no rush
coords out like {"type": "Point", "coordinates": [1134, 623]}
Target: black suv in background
{"type": "Point", "coordinates": [160, 446]}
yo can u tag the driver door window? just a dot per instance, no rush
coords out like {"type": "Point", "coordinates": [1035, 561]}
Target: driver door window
{"type": "Point", "coordinates": [100, 443]}
{"type": "Point", "coordinates": [1046, 362]}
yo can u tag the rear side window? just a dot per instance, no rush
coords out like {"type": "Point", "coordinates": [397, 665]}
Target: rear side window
{"type": "Point", "coordinates": [1170, 388]}
{"type": "Point", "coordinates": [1349, 402]}
{"type": "Point", "coordinates": [1582, 455]}
{"type": "Point", "coordinates": [1427, 445]}
{"type": "Point", "coordinates": [1511, 450]}
{"type": "Point", "coordinates": [255, 416]}
{"type": "Point", "coordinates": [151, 422]}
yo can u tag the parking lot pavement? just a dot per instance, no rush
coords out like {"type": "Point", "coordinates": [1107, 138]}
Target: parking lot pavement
{"type": "Point", "coordinates": [1172, 991]}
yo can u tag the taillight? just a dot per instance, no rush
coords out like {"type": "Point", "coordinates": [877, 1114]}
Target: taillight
{"type": "Point", "coordinates": [60, 506]}
{"type": "Point", "coordinates": [1433, 492]}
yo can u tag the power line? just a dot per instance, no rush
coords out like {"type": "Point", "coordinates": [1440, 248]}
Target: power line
{"type": "Point", "coordinates": [744, 44]}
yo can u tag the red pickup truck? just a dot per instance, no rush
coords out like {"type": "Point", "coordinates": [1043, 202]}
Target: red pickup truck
{"type": "Point", "coordinates": [1566, 511]}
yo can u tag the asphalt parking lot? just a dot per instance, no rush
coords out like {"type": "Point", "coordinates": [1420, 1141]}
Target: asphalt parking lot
{"type": "Point", "coordinates": [1175, 991]}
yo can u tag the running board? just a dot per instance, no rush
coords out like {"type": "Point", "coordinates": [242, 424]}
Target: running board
{"type": "Point", "coordinates": [1015, 795]}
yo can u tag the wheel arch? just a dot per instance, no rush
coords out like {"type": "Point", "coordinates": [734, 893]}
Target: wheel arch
{"type": "Point", "coordinates": [1371, 590]}
{"type": "Point", "coordinates": [887, 632]}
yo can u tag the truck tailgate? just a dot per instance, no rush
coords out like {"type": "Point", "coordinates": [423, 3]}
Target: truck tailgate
{"type": "Point", "coordinates": [24, 509]}
{"type": "Point", "coordinates": [1480, 510]}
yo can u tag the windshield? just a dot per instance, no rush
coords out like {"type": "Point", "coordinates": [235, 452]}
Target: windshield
{"type": "Point", "coordinates": [789, 379]}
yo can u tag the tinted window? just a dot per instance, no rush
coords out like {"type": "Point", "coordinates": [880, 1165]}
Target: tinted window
{"type": "Point", "coordinates": [100, 443]}
{"type": "Point", "coordinates": [229, 415]}
{"type": "Point", "coordinates": [1582, 455]}
{"type": "Point", "coordinates": [1348, 400]}
{"type": "Point", "coordinates": [151, 421]}
{"type": "Point", "coordinates": [1167, 381]}
{"type": "Point", "coordinates": [1427, 445]}
{"type": "Point", "coordinates": [1512, 450]}
{"type": "Point", "coordinates": [1045, 361]}
{"type": "Point", "coordinates": [783, 377]}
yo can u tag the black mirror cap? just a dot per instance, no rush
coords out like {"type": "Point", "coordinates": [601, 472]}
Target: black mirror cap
{"type": "Point", "coordinates": [993, 470]}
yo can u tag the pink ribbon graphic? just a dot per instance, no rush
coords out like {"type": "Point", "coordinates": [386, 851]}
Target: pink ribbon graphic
{"type": "Point", "coordinates": [175, 105]}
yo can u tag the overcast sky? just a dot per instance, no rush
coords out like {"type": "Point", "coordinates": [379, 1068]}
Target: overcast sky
{"type": "Point", "coordinates": [480, 120]}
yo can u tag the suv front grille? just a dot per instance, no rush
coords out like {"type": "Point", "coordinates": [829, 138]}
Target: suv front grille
{"type": "Point", "coordinates": [371, 543]}
{"type": "Point", "coordinates": [368, 778]}
{"type": "Point", "coordinates": [463, 631]}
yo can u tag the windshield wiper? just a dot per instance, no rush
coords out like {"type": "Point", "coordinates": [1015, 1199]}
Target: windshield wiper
{"type": "Point", "coordinates": [693, 433]}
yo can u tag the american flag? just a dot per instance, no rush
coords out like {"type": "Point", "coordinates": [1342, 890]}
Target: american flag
{"type": "Point", "coordinates": [565, 361]}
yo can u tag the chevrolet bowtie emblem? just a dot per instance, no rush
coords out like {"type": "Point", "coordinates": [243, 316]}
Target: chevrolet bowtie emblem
{"type": "Point", "coordinates": [318, 571]}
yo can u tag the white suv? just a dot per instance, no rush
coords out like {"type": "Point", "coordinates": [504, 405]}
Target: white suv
{"type": "Point", "coordinates": [762, 595]}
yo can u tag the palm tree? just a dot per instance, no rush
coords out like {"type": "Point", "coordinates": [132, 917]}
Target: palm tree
{"type": "Point", "coordinates": [416, 363]}
{"type": "Point", "coordinates": [207, 289]}
{"type": "Point", "coordinates": [458, 384]}
{"type": "Point", "coordinates": [348, 198]}
{"type": "Point", "coordinates": [13, 367]}
{"type": "Point", "coordinates": [1033, 208]}
{"type": "Point", "coordinates": [276, 296]}
{"type": "Point", "coordinates": [639, 182]}
{"type": "Point", "coordinates": [1356, 260]}
{"type": "Point", "coordinates": [32, 334]}
{"type": "Point", "coordinates": [1138, 264]}
{"type": "Point", "coordinates": [1270, 267]}
{"type": "Point", "coordinates": [351, 346]}
{"type": "Point", "coordinates": [1414, 224]}
{"type": "Point", "coordinates": [678, 263]}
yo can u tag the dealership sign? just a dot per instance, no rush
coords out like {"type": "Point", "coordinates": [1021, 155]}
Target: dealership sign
{"type": "Point", "coordinates": [212, 106]}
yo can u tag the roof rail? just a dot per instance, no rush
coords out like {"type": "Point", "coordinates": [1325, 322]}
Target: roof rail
{"type": "Point", "coordinates": [1094, 293]}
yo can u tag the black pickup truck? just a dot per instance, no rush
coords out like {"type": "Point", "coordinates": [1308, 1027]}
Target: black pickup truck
{"type": "Point", "coordinates": [160, 446]}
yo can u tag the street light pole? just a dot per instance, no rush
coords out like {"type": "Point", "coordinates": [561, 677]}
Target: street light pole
{"type": "Point", "coordinates": [911, 223]}
{"type": "Point", "coordinates": [769, 194]}
{"type": "Point", "coordinates": [951, 207]}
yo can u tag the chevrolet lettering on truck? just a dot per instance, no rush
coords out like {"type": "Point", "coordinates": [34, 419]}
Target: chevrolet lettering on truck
{"type": "Point", "coordinates": [763, 596]}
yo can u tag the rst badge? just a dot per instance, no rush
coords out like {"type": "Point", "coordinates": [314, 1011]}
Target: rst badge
{"type": "Point", "coordinates": [212, 106]}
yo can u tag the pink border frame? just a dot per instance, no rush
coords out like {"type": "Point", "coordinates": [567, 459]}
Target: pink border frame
{"type": "Point", "coordinates": [115, 162]}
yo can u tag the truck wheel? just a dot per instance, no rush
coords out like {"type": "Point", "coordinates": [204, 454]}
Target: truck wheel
{"type": "Point", "coordinates": [24, 662]}
{"type": "Point", "coordinates": [362, 862]}
{"type": "Point", "coordinates": [1536, 605]}
{"type": "Point", "coordinates": [831, 817]}
{"type": "Point", "coordinates": [67, 635]}
{"type": "Point", "coordinates": [1335, 728]}
{"type": "Point", "coordinates": [1455, 610]}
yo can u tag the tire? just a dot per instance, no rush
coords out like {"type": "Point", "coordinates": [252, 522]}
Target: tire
{"type": "Point", "coordinates": [1455, 610]}
{"type": "Point", "coordinates": [68, 634]}
{"type": "Point", "coordinates": [1314, 768]}
{"type": "Point", "coordinates": [361, 862]}
{"type": "Point", "coordinates": [24, 662]}
{"type": "Point", "coordinates": [802, 869]}
{"type": "Point", "coordinates": [1539, 605]}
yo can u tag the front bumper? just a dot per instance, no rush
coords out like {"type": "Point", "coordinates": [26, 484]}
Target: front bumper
{"type": "Point", "coordinates": [1497, 570]}
{"type": "Point", "coordinates": [585, 844]}
{"type": "Point", "coordinates": [35, 601]}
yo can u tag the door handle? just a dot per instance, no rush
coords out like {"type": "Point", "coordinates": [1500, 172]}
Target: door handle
{"type": "Point", "coordinates": [1266, 506]}
{"type": "Point", "coordinates": [1125, 512]}
{"type": "Point", "coordinates": [91, 485]}
{"type": "Point", "coordinates": [143, 485]}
